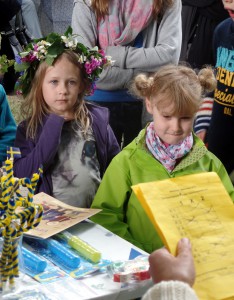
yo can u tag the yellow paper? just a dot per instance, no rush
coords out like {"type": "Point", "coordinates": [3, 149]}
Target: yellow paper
{"type": "Point", "coordinates": [199, 208]}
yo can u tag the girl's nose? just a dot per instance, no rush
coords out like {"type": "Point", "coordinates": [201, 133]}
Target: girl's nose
{"type": "Point", "coordinates": [176, 125]}
{"type": "Point", "coordinates": [62, 88]}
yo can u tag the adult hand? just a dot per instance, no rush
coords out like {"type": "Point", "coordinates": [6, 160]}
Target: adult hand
{"type": "Point", "coordinates": [164, 266]}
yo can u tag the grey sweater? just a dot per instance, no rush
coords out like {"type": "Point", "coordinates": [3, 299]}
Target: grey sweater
{"type": "Point", "coordinates": [161, 45]}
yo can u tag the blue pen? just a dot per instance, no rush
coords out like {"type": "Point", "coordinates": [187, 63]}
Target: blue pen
{"type": "Point", "coordinates": [63, 253]}
{"type": "Point", "coordinates": [33, 262]}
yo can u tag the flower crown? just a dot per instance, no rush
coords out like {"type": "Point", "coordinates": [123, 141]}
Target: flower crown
{"type": "Point", "coordinates": [48, 49]}
{"type": "Point", "coordinates": [5, 64]}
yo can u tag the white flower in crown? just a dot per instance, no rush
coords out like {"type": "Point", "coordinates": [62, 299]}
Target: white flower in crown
{"type": "Point", "coordinates": [25, 53]}
{"type": "Point", "coordinates": [95, 48]}
{"type": "Point", "coordinates": [109, 61]}
{"type": "Point", "coordinates": [82, 59]}
{"type": "Point", "coordinates": [40, 49]}
{"type": "Point", "coordinates": [69, 42]}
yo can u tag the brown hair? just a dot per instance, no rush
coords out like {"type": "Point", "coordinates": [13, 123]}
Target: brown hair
{"type": "Point", "coordinates": [34, 107]}
{"type": "Point", "coordinates": [179, 85]}
{"type": "Point", "coordinates": [101, 7]}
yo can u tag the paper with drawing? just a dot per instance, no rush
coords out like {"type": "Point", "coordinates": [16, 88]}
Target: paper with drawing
{"type": "Point", "coordinates": [198, 207]}
{"type": "Point", "coordinates": [58, 216]}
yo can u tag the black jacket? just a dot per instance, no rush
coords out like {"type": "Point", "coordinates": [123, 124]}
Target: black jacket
{"type": "Point", "coordinates": [8, 9]}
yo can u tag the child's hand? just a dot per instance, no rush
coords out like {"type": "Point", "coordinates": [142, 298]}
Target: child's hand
{"type": "Point", "coordinates": [68, 118]}
{"type": "Point", "coordinates": [68, 115]}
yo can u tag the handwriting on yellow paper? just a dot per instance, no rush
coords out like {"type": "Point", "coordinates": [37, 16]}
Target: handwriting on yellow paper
{"type": "Point", "coordinates": [198, 207]}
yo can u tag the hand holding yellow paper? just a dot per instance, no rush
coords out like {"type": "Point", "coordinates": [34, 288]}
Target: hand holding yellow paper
{"type": "Point", "coordinates": [198, 207]}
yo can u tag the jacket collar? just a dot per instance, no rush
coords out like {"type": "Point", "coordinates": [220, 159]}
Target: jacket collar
{"type": "Point", "coordinates": [197, 152]}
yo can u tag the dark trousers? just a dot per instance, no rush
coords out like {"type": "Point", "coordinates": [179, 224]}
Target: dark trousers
{"type": "Point", "coordinates": [125, 119]}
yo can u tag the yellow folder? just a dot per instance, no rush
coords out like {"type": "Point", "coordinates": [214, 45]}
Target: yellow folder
{"type": "Point", "coordinates": [197, 207]}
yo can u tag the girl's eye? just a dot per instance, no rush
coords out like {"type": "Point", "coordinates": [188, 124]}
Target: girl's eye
{"type": "Point", "coordinates": [54, 81]}
{"type": "Point", "coordinates": [72, 82]}
{"type": "Point", "coordinates": [186, 118]}
{"type": "Point", "coordinates": [166, 117]}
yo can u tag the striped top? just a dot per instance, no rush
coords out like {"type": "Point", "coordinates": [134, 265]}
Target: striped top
{"type": "Point", "coordinates": [203, 116]}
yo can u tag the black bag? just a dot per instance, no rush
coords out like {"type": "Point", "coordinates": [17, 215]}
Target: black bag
{"type": "Point", "coordinates": [10, 46]}
{"type": "Point", "coordinates": [13, 47]}
{"type": "Point", "coordinates": [13, 42]}
{"type": "Point", "coordinates": [8, 9]}
{"type": "Point", "coordinates": [22, 34]}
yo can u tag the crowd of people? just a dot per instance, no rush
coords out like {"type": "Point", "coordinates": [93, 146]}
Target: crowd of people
{"type": "Point", "coordinates": [123, 97]}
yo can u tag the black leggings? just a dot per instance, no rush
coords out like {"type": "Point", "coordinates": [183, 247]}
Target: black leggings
{"type": "Point", "coordinates": [125, 119]}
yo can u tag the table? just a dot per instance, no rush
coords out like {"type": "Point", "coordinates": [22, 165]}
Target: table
{"type": "Point", "coordinates": [97, 286]}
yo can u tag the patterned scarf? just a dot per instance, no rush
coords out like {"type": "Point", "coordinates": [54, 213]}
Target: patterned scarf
{"type": "Point", "coordinates": [167, 155]}
{"type": "Point", "coordinates": [126, 19]}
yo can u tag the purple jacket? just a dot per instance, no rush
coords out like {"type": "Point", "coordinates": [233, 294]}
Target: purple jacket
{"type": "Point", "coordinates": [43, 149]}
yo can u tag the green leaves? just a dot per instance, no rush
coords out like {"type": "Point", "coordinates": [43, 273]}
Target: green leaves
{"type": "Point", "coordinates": [5, 64]}
{"type": "Point", "coordinates": [68, 31]}
{"type": "Point", "coordinates": [21, 67]}
{"type": "Point", "coordinates": [54, 50]}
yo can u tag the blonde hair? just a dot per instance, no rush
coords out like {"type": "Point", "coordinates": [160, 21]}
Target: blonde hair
{"type": "Point", "coordinates": [101, 7]}
{"type": "Point", "coordinates": [34, 107]}
{"type": "Point", "coordinates": [179, 85]}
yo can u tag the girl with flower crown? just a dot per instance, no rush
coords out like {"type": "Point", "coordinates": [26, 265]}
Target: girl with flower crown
{"type": "Point", "coordinates": [166, 148]}
{"type": "Point", "coordinates": [71, 139]}
{"type": "Point", "coordinates": [140, 36]}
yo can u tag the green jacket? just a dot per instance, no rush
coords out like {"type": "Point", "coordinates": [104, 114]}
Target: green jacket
{"type": "Point", "coordinates": [121, 212]}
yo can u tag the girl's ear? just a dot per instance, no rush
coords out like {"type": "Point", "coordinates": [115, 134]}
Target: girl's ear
{"type": "Point", "coordinates": [148, 105]}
